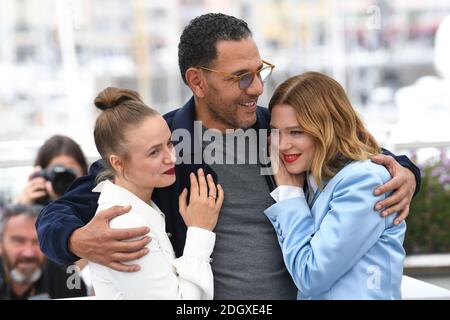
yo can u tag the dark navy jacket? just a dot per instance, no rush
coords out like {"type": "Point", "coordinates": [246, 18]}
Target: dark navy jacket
{"type": "Point", "coordinates": [77, 207]}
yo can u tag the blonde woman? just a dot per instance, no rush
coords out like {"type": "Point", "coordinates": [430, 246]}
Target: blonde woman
{"type": "Point", "coordinates": [335, 244]}
{"type": "Point", "coordinates": [136, 147]}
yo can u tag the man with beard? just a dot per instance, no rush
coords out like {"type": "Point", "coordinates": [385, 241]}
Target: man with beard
{"type": "Point", "coordinates": [25, 272]}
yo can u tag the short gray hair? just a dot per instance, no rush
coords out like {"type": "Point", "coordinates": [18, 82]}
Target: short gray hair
{"type": "Point", "coordinates": [10, 211]}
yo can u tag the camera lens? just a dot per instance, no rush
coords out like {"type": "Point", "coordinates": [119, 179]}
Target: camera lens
{"type": "Point", "coordinates": [61, 178]}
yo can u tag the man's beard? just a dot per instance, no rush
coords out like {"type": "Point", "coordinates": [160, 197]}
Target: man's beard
{"type": "Point", "coordinates": [228, 117]}
{"type": "Point", "coordinates": [228, 114]}
{"type": "Point", "coordinates": [222, 116]}
{"type": "Point", "coordinates": [20, 277]}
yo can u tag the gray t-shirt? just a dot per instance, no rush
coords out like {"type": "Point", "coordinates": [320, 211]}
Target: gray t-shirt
{"type": "Point", "coordinates": [247, 260]}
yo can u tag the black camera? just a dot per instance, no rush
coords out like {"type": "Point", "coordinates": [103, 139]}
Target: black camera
{"type": "Point", "coordinates": [59, 176]}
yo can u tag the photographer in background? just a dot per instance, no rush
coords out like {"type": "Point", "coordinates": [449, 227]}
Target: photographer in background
{"type": "Point", "coordinates": [59, 161]}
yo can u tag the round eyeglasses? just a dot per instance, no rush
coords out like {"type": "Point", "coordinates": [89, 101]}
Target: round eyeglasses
{"type": "Point", "coordinates": [246, 79]}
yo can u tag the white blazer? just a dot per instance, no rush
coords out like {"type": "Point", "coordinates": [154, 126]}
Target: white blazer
{"type": "Point", "coordinates": [161, 276]}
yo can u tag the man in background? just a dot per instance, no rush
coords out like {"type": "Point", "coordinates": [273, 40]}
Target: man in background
{"type": "Point", "coordinates": [25, 273]}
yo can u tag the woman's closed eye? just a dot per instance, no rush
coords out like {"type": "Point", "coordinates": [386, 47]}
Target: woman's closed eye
{"type": "Point", "coordinates": [295, 132]}
{"type": "Point", "coordinates": [154, 153]}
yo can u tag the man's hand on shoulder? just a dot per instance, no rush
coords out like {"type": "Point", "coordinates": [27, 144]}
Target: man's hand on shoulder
{"type": "Point", "coordinates": [97, 242]}
{"type": "Point", "coordinates": [403, 185]}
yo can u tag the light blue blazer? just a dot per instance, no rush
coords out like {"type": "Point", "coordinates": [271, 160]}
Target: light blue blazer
{"type": "Point", "coordinates": [342, 248]}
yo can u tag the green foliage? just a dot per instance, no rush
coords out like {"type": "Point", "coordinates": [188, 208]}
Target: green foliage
{"type": "Point", "coordinates": [428, 224]}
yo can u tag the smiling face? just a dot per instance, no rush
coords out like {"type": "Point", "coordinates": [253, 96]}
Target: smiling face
{"type": "Point", "coordinates": [19, 247]}
{"type": "Point", "coordinates": [150, 161]}
{"type": "Point", "coordinates": [296, 146]}
{"type": "Point", "coordinates": [227, 106]}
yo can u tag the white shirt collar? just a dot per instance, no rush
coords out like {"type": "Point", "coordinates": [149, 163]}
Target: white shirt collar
{"type": "Point", "coordinates": [121, 193]}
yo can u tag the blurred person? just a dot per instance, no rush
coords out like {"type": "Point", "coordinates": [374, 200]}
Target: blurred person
{"type": "Point", "coordinates": [334, 244]}
{"type": "Point", "coordinates": [59, 161]}
{"type": "Point", "coordinates": [25, 272]}
{"type": "Point", "coordinates": [221, 64]}
{"type": "Point", "coordinates": [135, 143]}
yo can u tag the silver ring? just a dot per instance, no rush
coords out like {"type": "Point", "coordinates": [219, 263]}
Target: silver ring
{"type": "Point", "coordinates": [212, 196]}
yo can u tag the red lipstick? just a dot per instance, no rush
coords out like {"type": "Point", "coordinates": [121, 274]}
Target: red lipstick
{"type": "Point", "coordinates": [171, 171]}
{"type": "Point", "coordinates": [289, 158]}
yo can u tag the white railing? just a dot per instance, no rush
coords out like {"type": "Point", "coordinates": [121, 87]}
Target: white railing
{"type": "Point", "coordinates": [413, 289]}
{"type": "Point", "coordinates": [421, 145]}
{"type": "Point", "coordinates": [428, 261]}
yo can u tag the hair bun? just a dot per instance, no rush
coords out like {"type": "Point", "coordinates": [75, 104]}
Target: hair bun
{"type": "Point", "coordinates": [112, 97]}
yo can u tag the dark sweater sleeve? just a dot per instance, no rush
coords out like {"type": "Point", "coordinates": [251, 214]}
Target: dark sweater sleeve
{"type": "Point", "coordinates": [405, 162]}
{"type": "Point", "coordinates": [58, 220]}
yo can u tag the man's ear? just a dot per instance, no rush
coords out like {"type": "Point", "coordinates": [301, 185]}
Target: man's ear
{"type": "Point", "coordinates": [196, 81]}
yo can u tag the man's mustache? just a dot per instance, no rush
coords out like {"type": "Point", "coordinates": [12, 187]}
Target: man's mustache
{"type": "Point", "coordinates": [27, 260]}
